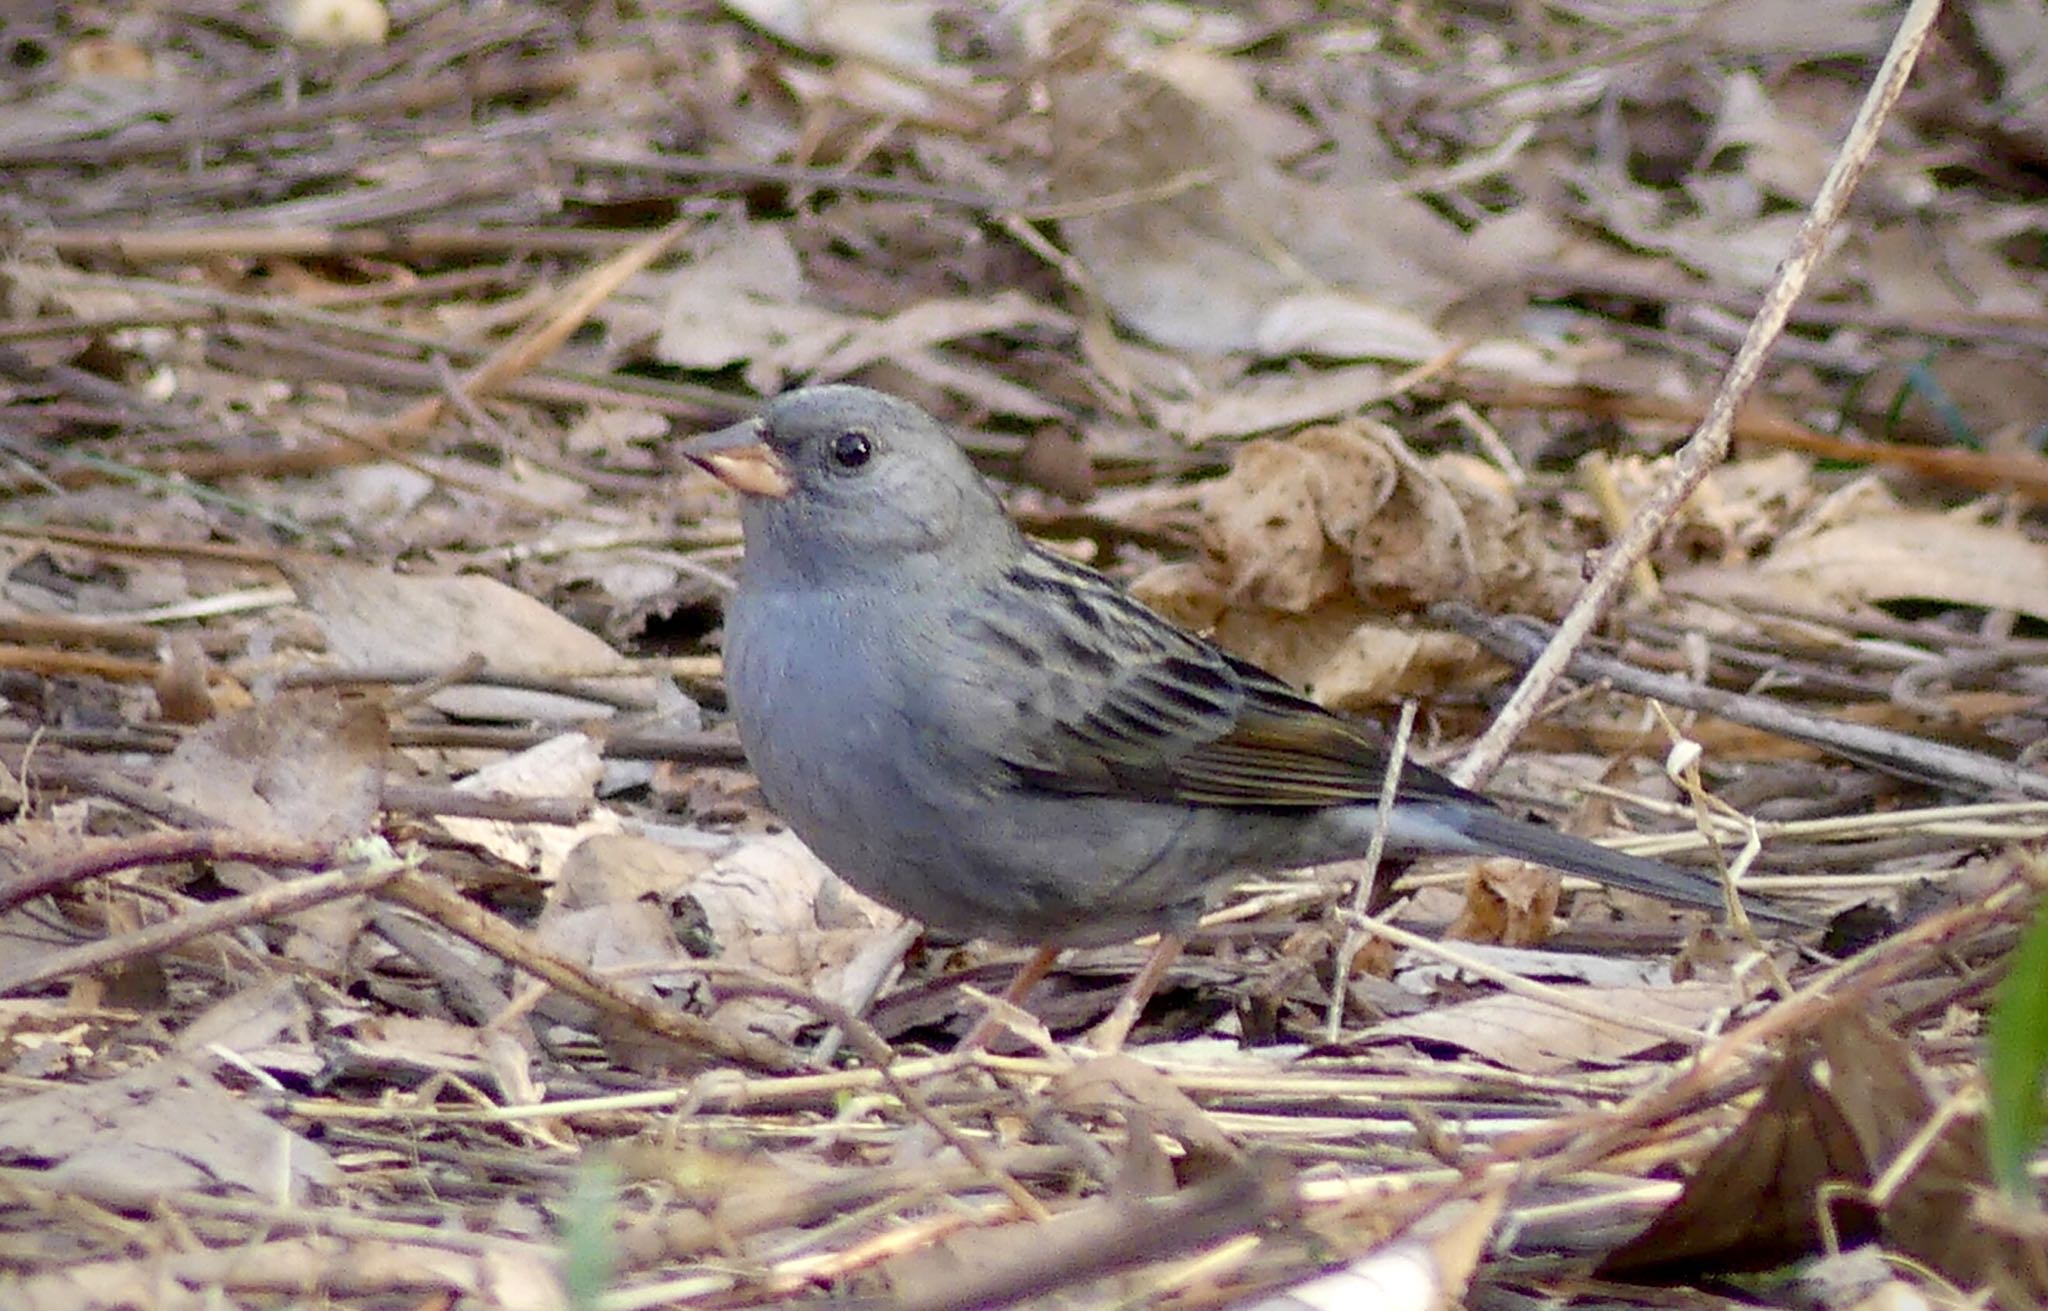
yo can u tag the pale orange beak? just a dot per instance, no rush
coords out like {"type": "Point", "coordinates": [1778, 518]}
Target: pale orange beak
{"type": "Point", "coordinates": [740, 458]}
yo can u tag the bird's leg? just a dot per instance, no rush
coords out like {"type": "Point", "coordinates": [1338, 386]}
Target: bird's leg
{"type": "Point", "coordinates": [1028, 977]}
{"type": "Point", "coordinates": [1108, 1036]}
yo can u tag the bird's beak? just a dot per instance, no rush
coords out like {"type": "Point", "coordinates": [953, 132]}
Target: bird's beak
{"type": "Point", "coordinates": [740, 458]}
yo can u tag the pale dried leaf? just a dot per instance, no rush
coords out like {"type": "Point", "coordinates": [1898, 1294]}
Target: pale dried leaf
{"type": "Point", "coordinates": [1425, 972]}
{"type": "Point", "coordinates": [890, 31]}
{"type": "Point", "coordinates": [2014, 33]}
{"type": "Point", "coordinates": [1786, 153]}
{"type": "Point", "coordinates": [1730, 244]}
{"type": "Point", "coordinates": [1195, 238]}
{"type": "Point", "coordinates": [373, 618]}
{"type": "Point", "coordinates": [930, 323]}
{"type": "Point", "coordinates": [1348, 509]}
{"type": "Point", "coordinates": [565, 766]}
{"type": "Point", "coordinates": [156, 1131]}
{"type": "Point", "coordinates": [1345, 327]}
{"type": "Point", "coordinates": [742, 300]}
{"type": "Point", "coordinates": [772, 906]}
{"type": "Point", "coordinates": [1913, 557]}
{"type": "Point", "coordinates": [1739, 509]}
{"type": "Point", "coordinates": [305, 766]}
{"type": "Point", "coordinates": [1535, 1037]}
{"type": "Point", "coordinates": [612, 909]}
{"type": "Point", "coordinates": [1268, 402]}
{"type": "Point", "coordinates": [1351, 663]}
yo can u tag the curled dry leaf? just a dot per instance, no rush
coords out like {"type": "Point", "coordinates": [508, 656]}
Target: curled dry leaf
{"type": "Point", "coordinates": [1337, 509]}
{"type": "Point", "coordinates": [1740, 507]}
{"type": "Point", "coordinates": [1319, 542]}
{"type": "Point", "coordinates": [1349, 509]}
{"type": "Point", "coordinates": [1511, 902]}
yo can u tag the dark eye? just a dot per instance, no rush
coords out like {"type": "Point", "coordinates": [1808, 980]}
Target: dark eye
{"type": "Point", "coordinates": [850, 450]}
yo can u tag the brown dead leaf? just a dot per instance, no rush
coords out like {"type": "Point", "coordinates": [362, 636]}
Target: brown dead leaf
{"type": "Point", "coordinates": [1349, 510]}
{"type": "Point", "coordinates": [1507, 901]}
{"type": "Point", "coordinates": [1342, 654]}
{"type": "Point", "coordinates": [1312, 540]}
{"type": "Point", "coordinates": [1888, 1102]}
{"type": "Point", "coordinates": [306, 766]}
{"type": "Point", "coordinates": [1756, 1201]}
{"type": "Point", "coordinates": [1837, 1115]}
{"type": "Point", "coordinates": [1336, 508]}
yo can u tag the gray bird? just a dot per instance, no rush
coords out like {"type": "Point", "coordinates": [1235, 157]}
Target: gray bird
{"type": "Point", "coordinates": [1000, 742]}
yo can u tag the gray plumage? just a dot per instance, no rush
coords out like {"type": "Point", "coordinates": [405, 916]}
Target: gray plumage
{"type": "Point", "coordinates": [1002, 743]}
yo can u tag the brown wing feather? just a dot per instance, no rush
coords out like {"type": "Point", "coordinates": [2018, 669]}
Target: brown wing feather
{"type": "Point", "coordinates": [1173, 717]}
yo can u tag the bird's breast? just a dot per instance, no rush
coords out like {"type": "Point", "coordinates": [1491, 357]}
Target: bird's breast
{"type": "Point", "coordinates": [816, 682]}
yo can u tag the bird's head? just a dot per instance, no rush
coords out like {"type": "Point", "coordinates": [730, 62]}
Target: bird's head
{"type": "Point", "coordinates": [840, 482]}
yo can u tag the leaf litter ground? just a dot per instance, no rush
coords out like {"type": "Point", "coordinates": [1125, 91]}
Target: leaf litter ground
{"type": "Point", "coordinates": [390, 920]}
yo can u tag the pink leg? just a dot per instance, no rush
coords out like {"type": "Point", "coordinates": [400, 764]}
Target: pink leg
{"type": "Point", "coordinates": [1028, 976]}
{"type": "Point", "coordinates": [1108, 1036]}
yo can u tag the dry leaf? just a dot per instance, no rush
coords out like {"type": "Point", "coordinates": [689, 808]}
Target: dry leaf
{"type": "Point", "coordinates": [1199, 241]}
{"type": "Point", "coordinates": [771, 906]}
{"type": "Point", "coordinates": [1913, 556]}
{"type": "Point", "coordinates": [1536, 1037]}
{"type": "Point", "coordinates": [156, 1131]}
{"type": "Point", "coordinates": [305, 766]}
{"type": "Point", "coordinates": [565, 766]}
{"type": "Point", "coordinates": [742, 300]}
{"type": "Point", "coordinates": [373, 618]}
{"type": "Point", "coordinates": [1508, 901]}
{"type": "Point", "coordinates": [1754, 1203]}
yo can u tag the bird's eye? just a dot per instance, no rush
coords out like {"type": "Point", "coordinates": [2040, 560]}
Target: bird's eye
{"type": "Point", "coordinates": [850, 450]}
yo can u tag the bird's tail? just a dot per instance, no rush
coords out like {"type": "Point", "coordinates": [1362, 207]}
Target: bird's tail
{"type": "Point", "coordinates": [1490, 832]}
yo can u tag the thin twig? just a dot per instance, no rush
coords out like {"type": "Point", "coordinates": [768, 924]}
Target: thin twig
{"type": "Point", "coordinates": [1368, 875]}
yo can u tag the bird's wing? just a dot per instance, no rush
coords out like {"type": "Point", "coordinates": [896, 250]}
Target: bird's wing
{"type": "Point", "coordinates": [1111, 699]}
